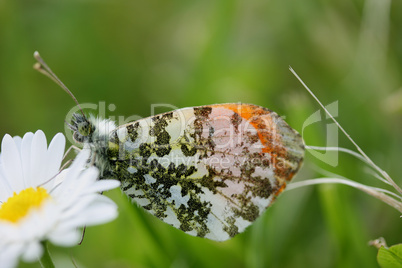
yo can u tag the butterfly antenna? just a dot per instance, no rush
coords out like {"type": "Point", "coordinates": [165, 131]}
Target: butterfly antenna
{"type": "Point", "coordinates": [43, 68]}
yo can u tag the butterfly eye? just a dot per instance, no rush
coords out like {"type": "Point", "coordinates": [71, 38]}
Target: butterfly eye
{"type": "Point", "coordinates": [84, 128]}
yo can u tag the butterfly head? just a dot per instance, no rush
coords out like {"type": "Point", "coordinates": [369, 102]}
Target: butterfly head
{"type": "Point", "coordinates": [91, 130]}
{"type": "Point", "coordinates": [82, 127]}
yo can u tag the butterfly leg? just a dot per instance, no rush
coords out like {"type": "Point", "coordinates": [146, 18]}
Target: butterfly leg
{"type": "Point", "coordinates": [69, 150]}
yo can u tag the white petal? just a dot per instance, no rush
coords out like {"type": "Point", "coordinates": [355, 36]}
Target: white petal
{"type": "Point", "coordinates": [69, 238]}
{"type": "Point", "coordinates": [5, 188]}
{"type": "Point", "coordinates": [33, 251]}
{"type": "Point", "coordinates": [38, 157]}
{"type": "Point", "coordinates": [26, 157]}
{"type": "Point", "coordinates": [103, 185]}
{"type": "Point", "coordinates": [10, 254]}
{"type": "Point", "coordinates": [72, 181]}
{"type": "Point", "coordinates": [61, 176]}
{"type": "Point", "coordinates": [7, 233]}
{"type": "Point", "coordinates": [17, 140]}
{"type": "Point", "coordinates": [77, 207]}
{"type": "Point", "coordinates": [11, 163]}
{"type": "Point", "coordinates": [55, 155]}
{"type": "Point", "coordinates": [72, 192]}
{"type": "Point", "coordinates": [80, 161]}
{"type": "Point", "coordinates": [101, 211]}
{"type": "Point", "coordinates": [76, 167]}
{"type": "Point", "coordinates": [101, 215]}
{"type": "Point", "coordinates": [87, 178]}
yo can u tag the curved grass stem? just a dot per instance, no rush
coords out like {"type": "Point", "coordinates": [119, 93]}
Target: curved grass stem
{"type": "Point", "coordinates": [375, 192]}
{"type": "Point", "coordinates": [361, 152]}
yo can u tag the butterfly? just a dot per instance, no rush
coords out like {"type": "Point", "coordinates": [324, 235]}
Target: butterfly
{"type": "Point", "coordinates": [209, 171]}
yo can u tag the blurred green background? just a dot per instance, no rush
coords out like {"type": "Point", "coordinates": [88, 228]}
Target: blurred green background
{"type": "Point", "coordinates": [185, 53]}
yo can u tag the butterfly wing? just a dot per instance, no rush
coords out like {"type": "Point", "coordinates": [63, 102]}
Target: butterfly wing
{"type": "Point", "coordinates": [209, 171]}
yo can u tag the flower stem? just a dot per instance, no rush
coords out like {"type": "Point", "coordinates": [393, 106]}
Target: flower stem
{"type": "Point", "coordinates": [46, 260]}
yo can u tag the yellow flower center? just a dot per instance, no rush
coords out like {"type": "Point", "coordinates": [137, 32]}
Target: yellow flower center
{"type": "Point", "coordinates": [18, 206]}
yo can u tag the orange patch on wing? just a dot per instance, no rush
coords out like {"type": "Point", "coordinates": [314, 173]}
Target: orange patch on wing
{"type": "Point", "coordinates": [268, 133]}
{"type": "Point", "coordinates": [260, 119]}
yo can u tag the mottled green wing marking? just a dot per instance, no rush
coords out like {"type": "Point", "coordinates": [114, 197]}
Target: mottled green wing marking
{"type": "Point", "coordinates": [209, 170]}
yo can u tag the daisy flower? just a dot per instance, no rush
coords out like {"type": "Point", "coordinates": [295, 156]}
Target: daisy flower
{"type": "Point", "coordinates": [39, 203]}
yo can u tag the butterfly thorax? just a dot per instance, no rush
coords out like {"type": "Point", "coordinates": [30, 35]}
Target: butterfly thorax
{"type": "Point", "coordinates": [93, 133]}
